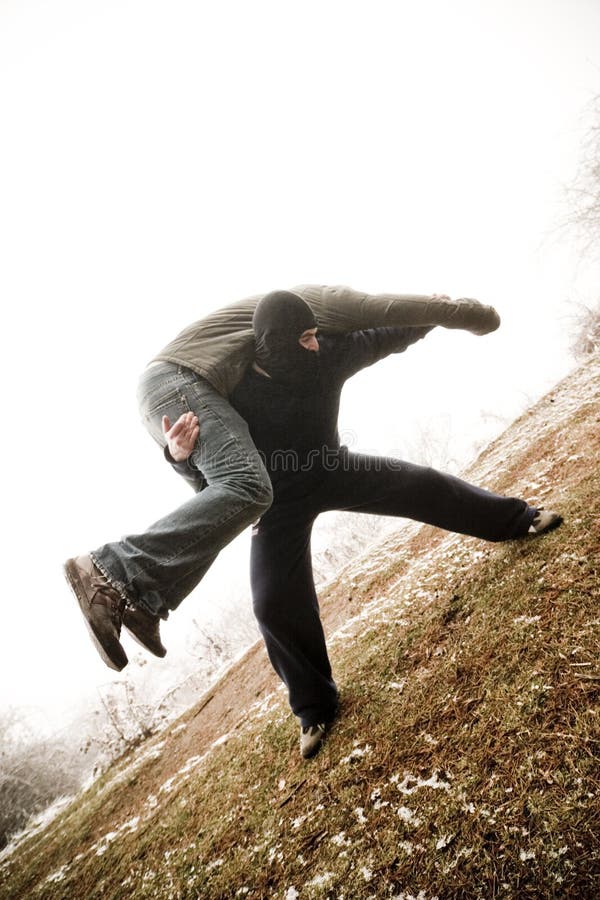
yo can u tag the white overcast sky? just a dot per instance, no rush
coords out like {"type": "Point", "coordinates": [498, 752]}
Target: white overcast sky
{"type": "Point", "coordinates": [159, 159]}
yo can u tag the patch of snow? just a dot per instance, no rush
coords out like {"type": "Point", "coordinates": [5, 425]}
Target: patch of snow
{"type": "Point", "coordinates": [526, 620]}
{"type": "Point", "coordinates": [357, 753]}
{"type": "Point", "coordinates": [58, 875]}
{"type": "Point", "coordinates": [35, 824]}
{"type": "Point", "coordinates": [214, 864]}
{"type": "Point", "coordinates": [320, 880]}
{"type": "Point", "coordinates": [340, 840]}
{"type": "Point", "coordinates": [101, 845]}
{"type": "Point", "coordinates": [443, 841]}
{"type": "Point", "coordinates": [408, 816]}
{"type": "Point", "coordinates": [378, 803]}
{"type": "Point", "coordinates": [411, 783]}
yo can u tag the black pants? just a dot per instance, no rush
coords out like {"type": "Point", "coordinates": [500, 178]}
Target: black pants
{"type": "Point", "coordinates": [284, 596]}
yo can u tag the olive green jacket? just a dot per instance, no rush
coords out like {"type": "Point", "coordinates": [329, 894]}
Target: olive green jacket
{"type": "Point", "coordinates": [220, 346]}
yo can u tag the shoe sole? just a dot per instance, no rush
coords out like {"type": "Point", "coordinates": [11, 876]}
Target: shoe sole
{"type": "Point", "coordinates": [116, 660]}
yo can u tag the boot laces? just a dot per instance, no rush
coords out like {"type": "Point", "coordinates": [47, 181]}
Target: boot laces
{"type": "Point", "coordinates": [103, 586]}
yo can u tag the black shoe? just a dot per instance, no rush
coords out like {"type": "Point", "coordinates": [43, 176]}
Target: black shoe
{"type": "Point", "coordinates": [145, 629]}
{"type": "Point", "coordinates": [311, 738]}
{"type": "Point", "coordinates": [545, 520]}
{"type": "Point", "coordinates": [102, 607]}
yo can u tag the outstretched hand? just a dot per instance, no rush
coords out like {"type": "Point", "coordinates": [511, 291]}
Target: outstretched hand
{"type": "Point", "coordinates": [182, 435]}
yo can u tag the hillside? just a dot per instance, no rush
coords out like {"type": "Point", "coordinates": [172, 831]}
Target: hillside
{"type": "Point", "coordinates": [465, 760]}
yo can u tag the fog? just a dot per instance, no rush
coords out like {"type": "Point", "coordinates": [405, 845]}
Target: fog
{"type": "Point", "coordinates": [159, 160]}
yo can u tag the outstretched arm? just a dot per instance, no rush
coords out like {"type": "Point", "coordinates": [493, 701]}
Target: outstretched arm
{"type": "Point", "coordinates": [341, 308]}
{"type": "Point", "coordinates": [360, 349]}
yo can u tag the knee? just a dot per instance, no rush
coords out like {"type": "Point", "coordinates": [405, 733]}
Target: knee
{"type": "Point", "coordinates": [261, 494]}
{"type": "Point", "coordinates": [245, 480]}
{"type": "Point", "coordinates": [256, 491]}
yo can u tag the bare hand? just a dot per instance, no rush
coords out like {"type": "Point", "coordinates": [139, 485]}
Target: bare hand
{"type": "Point", "coordinates": [182, 436]}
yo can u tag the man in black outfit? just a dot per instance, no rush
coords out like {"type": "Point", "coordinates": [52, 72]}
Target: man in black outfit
{"type": "Point", "coordinates": [290, 399]}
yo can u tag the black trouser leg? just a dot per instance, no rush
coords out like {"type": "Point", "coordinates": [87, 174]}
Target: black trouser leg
{"type": "Point", "coordinates": [287, 610]}
{"type": "Point", "coordinates": [285, 601]}
{"type": "Point", "coordinates": [390, 487]}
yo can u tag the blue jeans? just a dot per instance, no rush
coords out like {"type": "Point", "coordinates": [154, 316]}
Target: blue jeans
{"type": "Point", "coordinates": [157, 569]}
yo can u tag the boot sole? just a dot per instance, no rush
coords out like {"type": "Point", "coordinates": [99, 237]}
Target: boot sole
{"type": "Point", "coordinates": [114, 656]}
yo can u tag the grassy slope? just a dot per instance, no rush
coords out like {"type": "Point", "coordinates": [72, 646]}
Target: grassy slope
{"type": "Point", "coordinates": [465, 763]}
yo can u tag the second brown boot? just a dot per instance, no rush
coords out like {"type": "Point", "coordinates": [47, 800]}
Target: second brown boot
{"type": "Point", "coordinates": [145, 629]}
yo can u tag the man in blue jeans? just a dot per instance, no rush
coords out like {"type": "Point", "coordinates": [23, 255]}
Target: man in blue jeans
{"type": "Point", "coordinates": [138, 580]}
{"type": "Point", "coordinates": [290, 398]}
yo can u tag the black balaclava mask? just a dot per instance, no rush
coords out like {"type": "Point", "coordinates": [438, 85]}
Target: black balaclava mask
{"type": "Point", "coordinates": [279, 321]}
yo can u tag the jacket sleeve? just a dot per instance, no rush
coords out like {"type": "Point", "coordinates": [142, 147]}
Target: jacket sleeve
{"type": "Point", "coordinates": [344, 309]}
{"type": "Point", "coordinates": [359, 349]}
{"type": "Point", "coordinates": [190, 473]}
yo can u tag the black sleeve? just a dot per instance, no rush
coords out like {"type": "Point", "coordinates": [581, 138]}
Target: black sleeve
{"type": "Point", "coordinates": [358, 349]}
{"type": "Point", "coordinates": [190, 473]}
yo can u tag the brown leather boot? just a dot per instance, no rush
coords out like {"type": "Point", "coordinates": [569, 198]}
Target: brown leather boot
{"type": "Point", "coordinates": [145, 629]}
{"type": "Point", "coordinates": [102, 607]}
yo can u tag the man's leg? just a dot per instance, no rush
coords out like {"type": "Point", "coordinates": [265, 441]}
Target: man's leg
{"type": "Point", "coordinates": [287, 610]}
{"type": "Point", "coordinates": [155, 570]}
{"type": "Point", "coordinates": [391, 487]}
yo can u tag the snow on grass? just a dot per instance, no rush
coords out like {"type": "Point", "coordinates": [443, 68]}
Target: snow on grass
{"type": "Point", "coordinates": [376, 800]}
{"type": "Point", "coordinates": [411, 783]}
{"type": "Point", "coordinates": [58, 875]}
{"type": "Point", "coordinates": [408, 816]}
{"type": "Point", "coordinates": [101, 846]}
{"type": "Point", "coordinates": [357, 753]}
{"type": "Point", "coordinates": [215, 864]}
{"type": "Point", "coordinates": [340, 840]}
{"type": "Point", "coordinates": [526, 620]}
{"type": "Point", "coordinates": [36, 824]}
{"type": "Point", "coordinates": [444, 841]}
{"type": "Point", "coordinates": [396, 685]}
{"type": "Point", "coordinates": [320, 880]}
{"type": "Point", "coordinates": [179, 728]}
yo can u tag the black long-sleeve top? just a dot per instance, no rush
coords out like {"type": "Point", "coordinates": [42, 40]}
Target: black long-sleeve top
{"type": "Point", "coordinates": [296, 431]}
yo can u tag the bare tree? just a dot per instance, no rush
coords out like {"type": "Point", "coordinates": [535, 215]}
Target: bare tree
{"type": "Point", "coordinates": [584, 194]}
{"type": "Point", "coordinates": [35, 770]}
{"type": "Point", "coordinates": [583, 218]}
